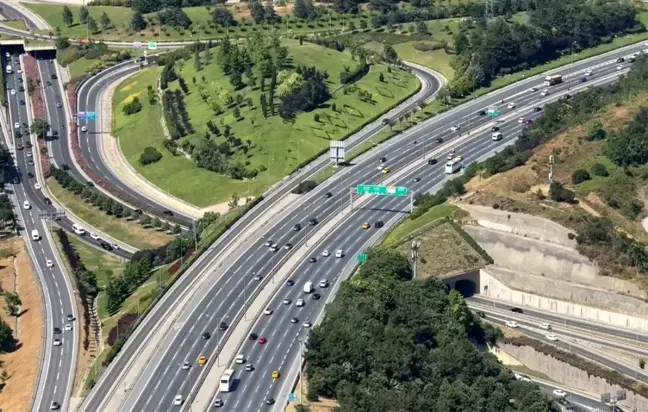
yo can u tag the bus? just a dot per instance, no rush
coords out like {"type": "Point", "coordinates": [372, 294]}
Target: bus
{"type": "Point", "coordinates": [226, 381]}
{"type": "Point", "coordinates": [453, 166]}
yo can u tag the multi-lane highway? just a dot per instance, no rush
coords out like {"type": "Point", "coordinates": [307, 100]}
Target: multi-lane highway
{"type": "Point", "coordinates": [58, 362]}
{"type": "Point", "coordinates": [164, 378]}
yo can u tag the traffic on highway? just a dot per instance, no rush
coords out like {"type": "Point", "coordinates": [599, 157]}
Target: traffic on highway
{"type": "Point", "coordinates": [468, 134]}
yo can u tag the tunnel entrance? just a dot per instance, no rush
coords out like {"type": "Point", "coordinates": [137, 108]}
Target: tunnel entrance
{"type": "Point", "coordinates": [466, 287]}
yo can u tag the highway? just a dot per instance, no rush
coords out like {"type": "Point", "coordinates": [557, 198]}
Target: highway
{"type": "Point", "coordinates": [252, 389]}
{"type": "Point", "coordinates": [164, 377]}
{"type": "Point", "coordinates": [58, 362]}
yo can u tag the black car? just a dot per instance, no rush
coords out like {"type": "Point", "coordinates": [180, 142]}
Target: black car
{"type": "Point", "coordinates": [29, 145]}
{"type": "Point", "coordinates": [106, 246]}
{"type": "Point", "coordinates": [30, 175]}
{"type": "Point", "coordinates": [620, 60]}
{"type": "Point", "coordinates": [312, 259]}
{"type": "Point", "coordinates": [312, 222]}
{"type": "Point", "coordinates": [47, 201]}
{"type": "Point", "coordinates": [253, 336]}
{"type": "Point", "coordinates": [316, 296]}
{"type": "Point", "coordinates": [54, 77]}
{"type": "Point", "coordinates": [167, 212]}
{"type": "Point", "coordinates": [328, 195]}
{"type": "Point", "coordinates": [439, 139]}
{"type": "Point", "coordinates": [57, 330]}
{"type": "Point", "coordinates": [537, 109]}
{"type": "Point", "coordinates": [222, 326]}
{"type": "Point", "coordinates": [297, 227]}
{"type": "Point", "coordinates": [379, 224]}
{"type": "Point", "coordinates": [49, 83]}
{"type": "Point", "coordinates": [481, 314]}
{"type": "Point", "coordinates": [494, 129]}
{"type": "Point", "coordinates": [65, 166]}
{"type": "Point", "coordinates": [516, 310]}
{"type": "Point", "coordinates": [205, 335]}
{"type": "Point", "coordinates": [90, 184]}
{"type": "Point", "coordinates": [432, 162]}
{"type": "Point", "coordinates": [482, 112]}
{"type": "Point", "coordinates": [294, 320]}
{"type": "Point", "coordinates": [383, 159]}
{"type": "Point", "coordinates": [22, 89]}
{"type": "Point", "coordinates": [269, 401]}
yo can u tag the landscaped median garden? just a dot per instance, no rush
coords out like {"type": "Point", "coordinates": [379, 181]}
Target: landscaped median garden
{"type": "Point", "coordinates": [243, 116]}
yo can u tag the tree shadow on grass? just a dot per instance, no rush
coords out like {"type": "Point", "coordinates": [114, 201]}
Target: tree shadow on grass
{"type": "Point", "coordinates": [383, 91]}
{"type": "Point", "coordinates": [352, 111]}
{"type": "Point", "coordinates": [320, 133]}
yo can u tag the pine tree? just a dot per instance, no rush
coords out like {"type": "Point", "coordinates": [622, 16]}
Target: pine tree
{"type": "Point", "coordinates": [84, 14]}
{"type": "Point", "coordinates": [197, 62]}
{"type": "Point", "coordinates": [299, 10]}
{"type": "Point", "coordinates": [92, 25]}
{"type": "Point", "coordinates": [105, 21]}
{"type": "Point", "coordinates": [264, 105]}
{"type": "Point", "coordinates": [138, 23]}
{"type": "Point", "coordinates": [68, 18]}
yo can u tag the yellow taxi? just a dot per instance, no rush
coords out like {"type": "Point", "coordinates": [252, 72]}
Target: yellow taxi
{"type": "Point", "coordinates": [202, 360]}
{"type": "Point", "coordinates": [275, 374]}
{"type": "Point", "coordinates": [385, 170]}
{"type": "Point", "coordinates": [365, 225]}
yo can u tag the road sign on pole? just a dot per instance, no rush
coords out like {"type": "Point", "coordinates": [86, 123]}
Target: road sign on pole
{"type": "Point", "coordinates": [379, 190]}
{"type": "Point", "coordinates": [338, 154]}
{"type": "Point", "coordinates": [292, 397]}
{"type": "Point", "coordinates": [152, 45]}
{"type": "Point", "coordinates": [138, 45]}
{"type": "Point", "coordinates": [362, 257]}
{"type": "Point", "coordinates": [82, 115]}
{"type": "Point", "coordinates": [493, 111]}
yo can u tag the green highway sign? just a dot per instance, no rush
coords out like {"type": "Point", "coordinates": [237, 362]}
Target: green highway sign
{"type": "Point", "coordinates": [152, 45]}
{"type": "Point", "coordinates": [362, 257]}
{"type": "Point", "coordinates": [493, 111]}
{"type": "Point", "coordinates": [379, 190]}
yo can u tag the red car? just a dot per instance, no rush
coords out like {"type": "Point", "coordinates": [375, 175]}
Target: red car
{"type": "Point", "coordinates": [528, 122]}
{"type": "Point", "coordinates": [262, 340]}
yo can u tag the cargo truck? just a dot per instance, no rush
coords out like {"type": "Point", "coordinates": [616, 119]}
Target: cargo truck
{"type": "Point", "coordinates": [553, 80]}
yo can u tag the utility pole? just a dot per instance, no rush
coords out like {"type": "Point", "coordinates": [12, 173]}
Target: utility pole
{"type": "Point", "coordinates": [552, 161]}
{"type": "Point", "coordinates": [416, 244]}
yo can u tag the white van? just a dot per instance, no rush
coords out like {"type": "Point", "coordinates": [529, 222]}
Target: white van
{"type": "Point", "coordinates": [26, 205]}
{"type": "Point", "coordinates": [497, 136]}
{"type": "Point", "coordinates": [35, 235]}
{"type": "Point", "coordinates": [308, 287]}
{"type": "Point", "coordinates": [78, 229]}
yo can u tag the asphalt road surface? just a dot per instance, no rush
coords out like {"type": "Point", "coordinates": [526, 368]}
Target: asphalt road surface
{"type": "Point", "coordinates": [164, 378]}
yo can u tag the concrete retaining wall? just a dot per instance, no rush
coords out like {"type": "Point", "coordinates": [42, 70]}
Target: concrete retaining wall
{"type": "Point", "coordinates": [571, 376]}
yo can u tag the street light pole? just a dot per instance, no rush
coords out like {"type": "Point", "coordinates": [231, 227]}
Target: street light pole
{"type": "Point", "coordinates": [301, 368]}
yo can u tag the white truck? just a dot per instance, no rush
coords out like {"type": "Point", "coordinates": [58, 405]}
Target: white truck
{"type": "Point", "coordinates": [552, 80]}
{"type": "Point", "coordinates": [9, 70]}
{"type": "Point", "coordinates": [308, 287]}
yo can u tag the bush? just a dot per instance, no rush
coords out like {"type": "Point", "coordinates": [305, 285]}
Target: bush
{"type": "Point", "coordinates": [559, 193]}
{"type": "Point", "coordinates": [580, 176]}
{"type": "Point", "coordinates": [150, 155]}
{"type": "Point", "coordinates": [132, 107]}
{"type": "Point", "coordinates": [599, 169]}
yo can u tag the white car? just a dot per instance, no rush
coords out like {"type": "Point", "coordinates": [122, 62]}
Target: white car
{"type": "Point", "coordinates": [545, 326]}
{"type": "Point", "coordinates": [26, 205]}
{"type": "Point", "coordinates": [268, 311]}
{"type": "Point", "coordinates": [552, 337]}
{"type": "Point", "coordinates": [274, 247]}
{"type": "Point", "coordinates": [94, 236]}
{"type": "Point", "coordinates": [544, 93]}
{"type": "Point", "coordinates": [339, 253]}
{"type": "Point", "coordinates": [522, 378]}
{"type": "Point", "coordinates": [588, 73]}
{"type": "Point", "coordinates": [177, 400]}
{"type": "Point", "coordinates": [29, 154]}
{"type": "Point", "coordinates": [19, 71]}
{"type": "Point", "coordinates": [323, 283]}
{"type": "Point", "coordinates": [13, 92]}
{"type": "Point", "coordinates": [287, 301]}
{"type": "Point", "coordinates": [37, 186]}
{"type": "Point", "coordinates": [620, 67]}
{"type": "Point", "coordinates": [454, 128]}
{"type": "Point", "coordinates": [16, 125]}
{"type": "Point", "coordinates": [57, 342]}
{"type": "Point", "coordinates": [49, 263]}
{"type": "Point", "coordinates": [521, 120]}
{"type": "Point", "coordinates": [559, 393]}
{"type": "Point", "coordinates": [300, 303]}
{"type": "Point", "coordinates": [84, 129]}
{"type": "Point", "coordinates": [511, 105]}
{"type": "Point", "coordinates": [307, 324]}
{"type": "Point", "coordinates": [68, 327]}
{"type": "Point", "coordinates": [511, 324]}
{"type": "Point", "coordinates": [326, 253]}
{"type": "Point", "coordinates": [534, 89]}
{"type": "Point", "coordinates": [186, 365]}
{"type": "Point", "coordinates": [240, 359]}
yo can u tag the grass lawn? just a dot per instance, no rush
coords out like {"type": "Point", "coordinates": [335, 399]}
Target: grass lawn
{"type": "Point", "coordinates": [14, 24]}
{"type": "Point", "coordinates": [128, 232]}
{"type": "Point", "coordinates": [53, 14]}
{"type": "Point", "coordinates": [437, 60]}
{"type": "Point", "coordinates": [408, 225]}
{"type": "Point", "coordinates": [79, 66]}
{"type": "Point", "coordinates": [275, 145]}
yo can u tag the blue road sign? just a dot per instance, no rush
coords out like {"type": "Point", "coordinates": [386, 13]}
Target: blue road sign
{"type": "Point", "coordinates": [82, 115]}
{"type": "Point", "coordinates": [292, 397]}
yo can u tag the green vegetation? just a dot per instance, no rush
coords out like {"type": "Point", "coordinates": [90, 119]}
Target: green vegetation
{"type": "Point", "coordinates": [411, 226]}
{"type": "Point", "coordinates": [225, 125]}
{"type": "Point", "coordinates": [14, 24]}
{"type": "Point", "coordinates": [127, 231]}
{"type": "Point", "coordinates": [380, 319]}
{"type": "Point", "coordinates": [87, 59]}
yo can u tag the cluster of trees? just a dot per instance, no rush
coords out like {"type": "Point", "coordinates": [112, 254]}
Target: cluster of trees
{"type": "Point", "coordinates": [305, 10]}
{"type": "Point", "coordinates": [12, 302]}
{"type": "Point", "coordinates": [223, 17]}
{"type": "Point", "coordinates": [174, 16]}
{"type": "Point", "coordinates": [391, 16]}
{"type": "Point", "coordinates": [149, 155]}
{"type": "Point", "coordinates": [150, 6]}
{"type": "Point", "coordinates": [334, 44]}
{"type": "Point", "coordinates": [389, 343]}
{"type": "Point", "coordinates": [176, 114]}
{"type": "Point", "coordinates": [91, 195]}
{"type": "Point", "coordinates": [216, 158]}
{"type": "Point", "coordinates": [629, 147]}
{"type": "Point", "coordinates": [555, 27]}
{"type": "Point", "coordinates": [8, 342]}
{"type": "Point", "coordinates": [263, 14]}
{"type": "Point", "coordinates": [120, 287]}
{"type": "Point", "coordinates": [132, 107]}
{"type": "Point", "coordinates": [7, 217]}
{"type": "Point", "coordinates": [306, 91]}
